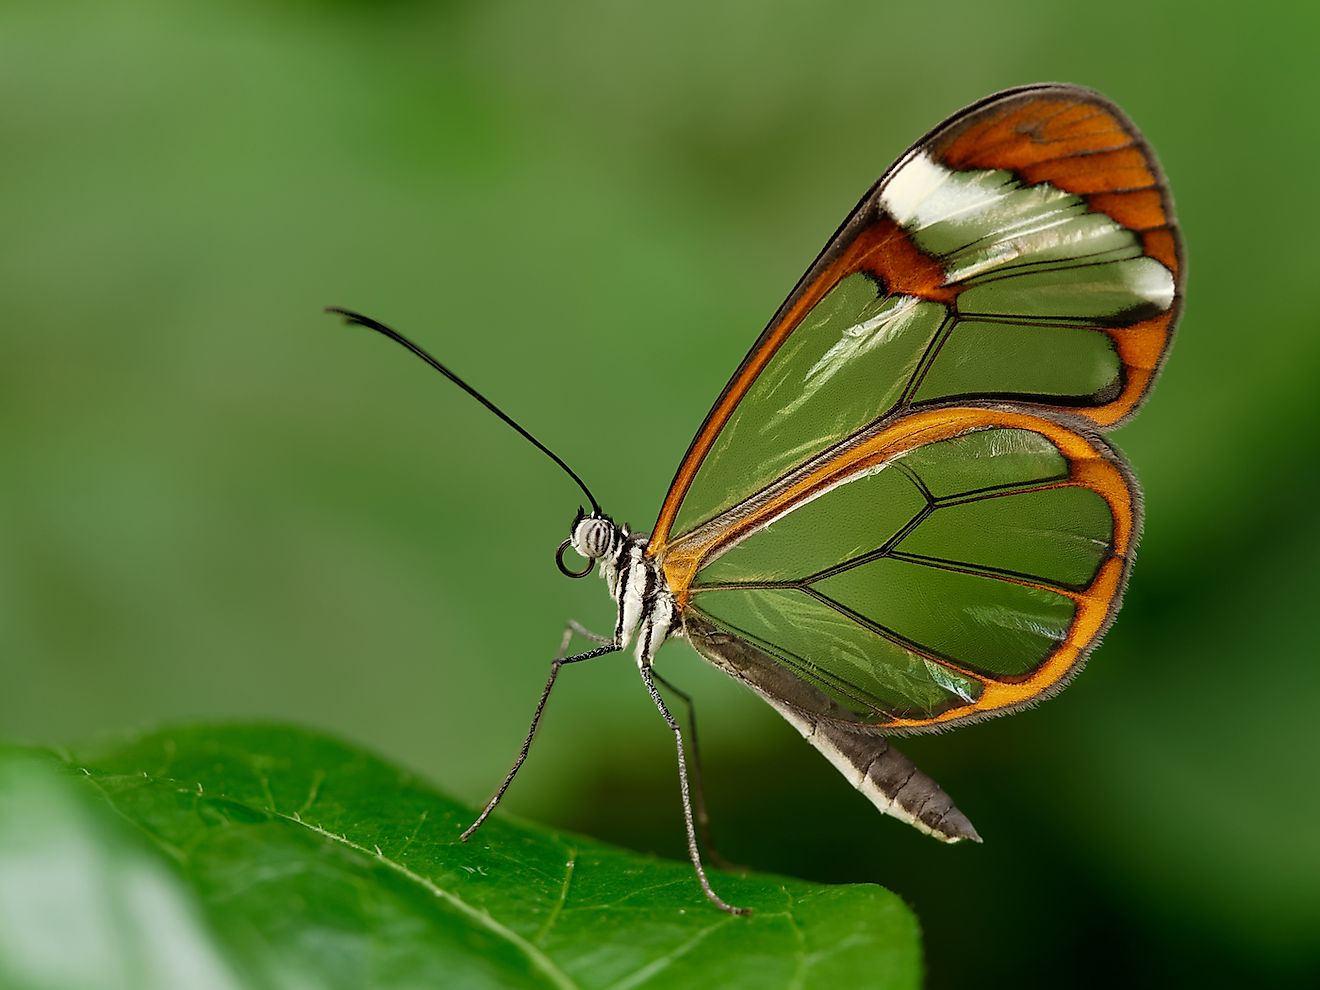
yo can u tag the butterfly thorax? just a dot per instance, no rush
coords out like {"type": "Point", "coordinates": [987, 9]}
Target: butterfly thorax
{"type": "Point", "coordinates": [645, 606]}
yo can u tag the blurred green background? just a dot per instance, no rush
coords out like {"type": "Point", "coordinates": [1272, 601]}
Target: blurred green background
{"type": "Point", "coordinates": [219, 503]}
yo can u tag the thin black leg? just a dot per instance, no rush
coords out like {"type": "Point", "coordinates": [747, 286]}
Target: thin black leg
{"type": "Point", "coordinates": [558, 662]}
{"type": "Point", "coordinates": [698, 788]}
{"type": "Point", "coordinates": [693, 852]}
{"type": "Point", "coordinates": [581, 630]}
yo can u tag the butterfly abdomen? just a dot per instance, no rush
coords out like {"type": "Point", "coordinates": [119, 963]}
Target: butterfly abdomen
{"type": "Point", "coordinates": [890, 780]}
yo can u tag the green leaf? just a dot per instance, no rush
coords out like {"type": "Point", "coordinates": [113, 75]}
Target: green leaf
{"type": "Point", "coordinates": [258, 856]}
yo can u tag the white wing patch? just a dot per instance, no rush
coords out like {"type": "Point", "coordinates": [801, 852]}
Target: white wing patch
{"type": "Point", "coordinates": [987, 227]}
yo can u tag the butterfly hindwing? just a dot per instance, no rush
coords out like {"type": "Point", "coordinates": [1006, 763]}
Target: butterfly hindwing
{"type": "Point", "coordinates": [1024, 251]}
{"type": "Point", "coordinates": [955, 563]}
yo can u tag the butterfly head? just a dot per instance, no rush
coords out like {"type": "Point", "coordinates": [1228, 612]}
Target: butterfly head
{"type": "Point", "coordinates": [592, 536]}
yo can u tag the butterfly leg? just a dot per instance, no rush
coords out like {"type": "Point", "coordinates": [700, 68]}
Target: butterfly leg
{"type": "Point", "coordinates": [648, 678]}
{"type": "Point", "coordinates": [560, 660]}
{"type": "Point", "coordinates": [698, 790]}
{"type": "Point", "coordinates": [575, 628]}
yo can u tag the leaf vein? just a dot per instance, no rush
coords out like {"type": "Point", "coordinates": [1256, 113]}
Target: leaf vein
{"type": "Point", "coordinates": [558, 906]}
{"type": "Point", "coordinates": [655, 966]}
{"type": "Point", "coordinates": [538, 959]}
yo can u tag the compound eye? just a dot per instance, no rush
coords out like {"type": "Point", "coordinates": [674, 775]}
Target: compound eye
{"type": "Point", "coordinates": [592, 537]}
{"type": "Point", "coordinates": [596, 539]}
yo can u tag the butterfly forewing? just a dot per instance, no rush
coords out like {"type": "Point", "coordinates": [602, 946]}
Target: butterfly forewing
{"type": "Point", "coordinates": [1023, 251]}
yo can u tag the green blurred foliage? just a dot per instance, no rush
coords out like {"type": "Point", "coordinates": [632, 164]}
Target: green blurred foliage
{"type": "Point", "coordinates": [220, 503]}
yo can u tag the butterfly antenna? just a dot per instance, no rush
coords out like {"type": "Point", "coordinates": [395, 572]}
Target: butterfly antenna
{"type": "Point", "coordinates": [365, 321]}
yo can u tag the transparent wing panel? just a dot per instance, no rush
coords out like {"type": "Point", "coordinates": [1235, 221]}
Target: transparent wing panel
{"type": "Point", "coordinates": [1056, 364]}
{"type": "Point", "coordinates": [1057, 536]}
{"type": "Point", "coordinates": [864, 672]}
{"type": "Point", "coordinates": [844, 367]}
{"type": "Point", "coordinates": [986, 459]}
{"type": "Point", "coordinates": [978, 621]}
{"type": "Point", "coordinates": [867, 511]}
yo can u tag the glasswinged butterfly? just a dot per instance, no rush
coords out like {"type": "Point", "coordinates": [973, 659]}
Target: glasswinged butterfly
{"type": "Point", "coordinates": [900, 515]}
